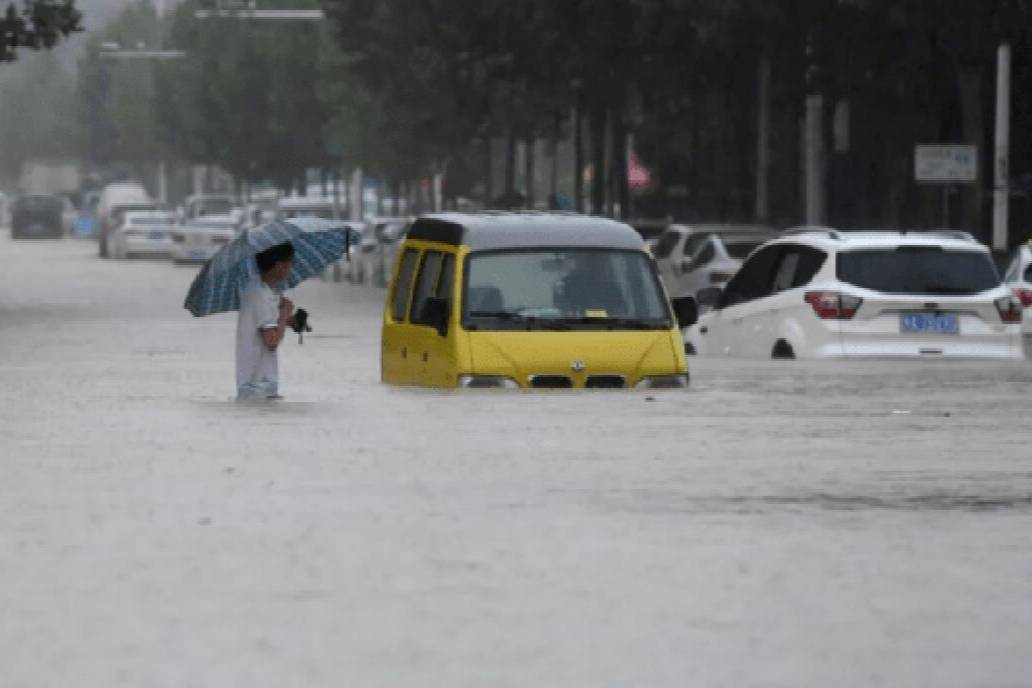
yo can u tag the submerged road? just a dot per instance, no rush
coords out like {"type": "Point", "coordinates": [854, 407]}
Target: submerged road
{"type": "Point", "coordinates": [781, 524]}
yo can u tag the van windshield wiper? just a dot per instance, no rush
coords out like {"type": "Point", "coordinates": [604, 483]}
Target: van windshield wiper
{"type": "Point", "coordinates": [533, 322]}
{"type": "Point", "coordinates": [622, 323]}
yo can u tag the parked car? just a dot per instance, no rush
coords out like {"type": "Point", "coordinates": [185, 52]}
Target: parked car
{"type": "Point", "coordinates": [692, 257]}
{"type": "Point", "coordinates": [650, 229]}
{"type": "Point", "coordinates": [372, 258]}
{"type": "Point", "coordinates": [198, 240]}
{"type": "Point", "coordinates": [37, 217]}
{"type": "Point", "coordinates": [116, 200]}
{"type": "Point", "coordinates": [321, 207]}
{"type": "Point", "coordinates": [146, 233]}
{"type": "Point", "coordinates": [820, 293]}
{"type": "Point", "coordinates": [308, 206]}
{"type": "Point", "coordinates": [515, 300]}
{"type": "Point", "coordinates": [1019, 278]}
{"type": "Point", "coordinates": [201, 205]}
{"type": "Point", "coordinates": [361, 256]}
{"type": "Point", "coordinates": [390, 234]}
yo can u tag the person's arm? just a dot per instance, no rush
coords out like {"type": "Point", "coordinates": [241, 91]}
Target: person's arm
{"type": "Point", "coordinates": [272, 335]}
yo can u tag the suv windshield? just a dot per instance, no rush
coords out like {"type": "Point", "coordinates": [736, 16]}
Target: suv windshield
{"type": "Point", "coordinates": [1028, 274]}
{"type": "Point", "coordinates": [563, 289]}
{"type": "Point", "coordinates": [919, 270]}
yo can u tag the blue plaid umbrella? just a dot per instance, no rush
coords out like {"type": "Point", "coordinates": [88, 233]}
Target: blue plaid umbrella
{"type": "Point", "coordinates": [317, 243]}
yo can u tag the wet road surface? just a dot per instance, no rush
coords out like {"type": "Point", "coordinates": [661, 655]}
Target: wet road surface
{"type": "Point", "coordinates": [781, 524]}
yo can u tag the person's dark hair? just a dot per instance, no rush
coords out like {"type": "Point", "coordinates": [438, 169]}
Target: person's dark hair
{"type": "Point", "coordinates": [268, 258]}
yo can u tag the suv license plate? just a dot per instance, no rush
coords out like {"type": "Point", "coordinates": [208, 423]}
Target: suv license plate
{"type": "Point", "coordinates": [930, 323]}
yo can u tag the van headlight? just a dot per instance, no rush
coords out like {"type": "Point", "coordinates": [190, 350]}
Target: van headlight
{"type": "Point", "coordinates": [487, 382]}
{"type": "Point", "coordinates": [664, 382]}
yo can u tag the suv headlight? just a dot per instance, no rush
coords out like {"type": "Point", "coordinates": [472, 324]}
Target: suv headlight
{"type": "Point", "coordinates": [487, 382]}
{"type": "Point", "coordinates": [664, 382]}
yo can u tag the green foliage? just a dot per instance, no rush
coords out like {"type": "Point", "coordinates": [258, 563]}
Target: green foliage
{"type": "Point", "coordinates": [249, 97]}
{"type": "Point", "coordinates": [40, 24]}
{"type": "Point", "coordinates": [116, 98]}
{"type": "Point", "coordinates": [35, 101]}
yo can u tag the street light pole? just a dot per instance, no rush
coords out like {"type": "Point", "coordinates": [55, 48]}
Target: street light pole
{"type": "Point", "coordinates": [114, 51]}
{"type": "Point", "coordinates": [1001, 168]}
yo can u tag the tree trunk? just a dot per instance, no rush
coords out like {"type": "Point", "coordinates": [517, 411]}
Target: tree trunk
{"type": "Point", "coordinates": [621, 158]}
{"type": "Point", "coordinates": [969, 85]}
{"type": "Point", "coordinates": [528, 171]}
{"type": "Point", "coordinates": [597, 125]}
{"type": "Point", "coordinates": [762, 206]}
{"type": "Point", "coordinates": [510, 166]}
{"type": "Point", "coordinates": [489, 192]}
{"type": "Point", "coordinates": [553, 176]}
{"type": "Point", "coordinates": [578, 159]}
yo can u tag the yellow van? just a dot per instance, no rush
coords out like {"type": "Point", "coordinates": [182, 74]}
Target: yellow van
{"type": "Point", "coordinates": [530, 300]}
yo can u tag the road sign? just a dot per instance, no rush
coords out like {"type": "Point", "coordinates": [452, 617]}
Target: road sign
{"type": "Point", "coordinates": [946, 164]}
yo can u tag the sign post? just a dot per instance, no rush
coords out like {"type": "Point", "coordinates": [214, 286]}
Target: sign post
{"type": "Point", "coordinates": [947, 166]}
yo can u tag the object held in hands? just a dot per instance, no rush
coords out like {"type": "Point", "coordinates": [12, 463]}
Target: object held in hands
{"type": "Point", "coordinates": [299, 323]}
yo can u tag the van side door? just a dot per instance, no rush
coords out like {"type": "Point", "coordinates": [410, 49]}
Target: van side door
{"type": "Point", "coordinates": [433, 355]}
{"type": "Point", "coordinates": [395, 347]}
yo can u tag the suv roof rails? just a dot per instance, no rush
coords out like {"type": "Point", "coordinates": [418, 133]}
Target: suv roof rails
{"type": "Point", "coordinates": [813, 229]}
{"type": "Point", "coordinates": [956, 234]}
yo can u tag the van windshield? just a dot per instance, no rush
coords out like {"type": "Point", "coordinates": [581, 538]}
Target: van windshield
{"type": "Point", "coordinates": [563, 289]}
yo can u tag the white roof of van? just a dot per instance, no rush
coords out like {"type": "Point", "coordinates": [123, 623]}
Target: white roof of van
{"type": "Point", "coordinates": [501, 230]}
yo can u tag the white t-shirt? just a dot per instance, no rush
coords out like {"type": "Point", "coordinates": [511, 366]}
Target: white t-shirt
{"type": "Point", "coordinates": [257, 367]}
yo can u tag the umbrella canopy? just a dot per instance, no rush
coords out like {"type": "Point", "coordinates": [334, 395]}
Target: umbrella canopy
{"type": "Point", "coordinates": [317, 243]}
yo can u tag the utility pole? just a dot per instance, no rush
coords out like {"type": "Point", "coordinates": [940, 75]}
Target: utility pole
{"type": "Point", "coordinates": [813, 142]}
{"type": "Point", "coordinates": [1001, 168]}
{"type": "Point", "coordinates": [762, 212]}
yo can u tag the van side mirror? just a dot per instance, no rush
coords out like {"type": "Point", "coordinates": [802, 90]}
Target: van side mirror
{"type": "Point", "coordinates": [686, 310]}
{"type": "Point", "coordinates": [436, 314]}
{"type": "Point", "coordinates": [709, 297]}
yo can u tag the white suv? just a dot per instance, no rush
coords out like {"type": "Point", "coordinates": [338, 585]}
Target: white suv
{"type": "Point", "coordinates": [1019, 278]}
{"type": "Point", "coordinates": [819, 293]}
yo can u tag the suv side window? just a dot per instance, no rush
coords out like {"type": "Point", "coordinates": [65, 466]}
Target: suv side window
{"type": "Point", "coordinates": [403, 285]}
{"type": "Point", "coordinates": [797, 267]}
{"type": "Point", "coordinates": [811, 260]}
{"type": "Point", "coordinates": [755, 278]}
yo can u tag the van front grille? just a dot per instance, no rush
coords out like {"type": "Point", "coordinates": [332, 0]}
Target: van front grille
{"type": "Point", "coordinates": [551, 382]}
{"type": "Point", "coordinates": [605, 382]}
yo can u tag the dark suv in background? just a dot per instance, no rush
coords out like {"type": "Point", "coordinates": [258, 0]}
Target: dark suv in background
{"type": "Point", "coordinates": [37, 217]}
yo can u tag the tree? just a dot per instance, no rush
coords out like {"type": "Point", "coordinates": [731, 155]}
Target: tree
{"type": "Point", "coordinates": [248, 97]}
{"type": "Point", "coordinates": [117, 113]}
{"type": "Point", "coordinates": [39, 24]}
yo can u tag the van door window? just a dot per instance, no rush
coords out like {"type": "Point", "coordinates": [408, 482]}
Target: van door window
{"type": "Point", "coordinates": [426, 285]}
{"type": "Point", "coordinates": [403, 285]}
{"type": "Point", "coordinates": [446, 281]}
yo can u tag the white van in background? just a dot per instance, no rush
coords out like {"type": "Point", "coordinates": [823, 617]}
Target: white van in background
{"type": "Point", "coordinates": [116, 200]}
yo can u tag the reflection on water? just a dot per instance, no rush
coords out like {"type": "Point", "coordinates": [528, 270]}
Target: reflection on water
{"type": "Point", "coordinates": [650, 502]}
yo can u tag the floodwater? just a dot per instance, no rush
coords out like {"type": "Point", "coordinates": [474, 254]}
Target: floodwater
{"type": "Point", "coordinates": [781, 524]}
